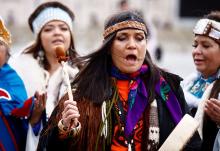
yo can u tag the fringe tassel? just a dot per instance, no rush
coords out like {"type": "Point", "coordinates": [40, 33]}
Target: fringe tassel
{"type": "Point", "coordinates": [105, 126]}
{"type": "Point", "coordinates": [129, 147]}
{"type": "Point", "coordinates": [107, 118]}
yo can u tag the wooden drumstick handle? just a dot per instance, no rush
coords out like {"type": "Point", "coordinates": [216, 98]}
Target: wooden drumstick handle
{"type": "Point", "coordinates": [62, 59]}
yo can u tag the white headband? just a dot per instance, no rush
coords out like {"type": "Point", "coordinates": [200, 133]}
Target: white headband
{"type": "Point", "coordinates": [48, 15]}
{"type": "Point", "coordinates": [208, 27]}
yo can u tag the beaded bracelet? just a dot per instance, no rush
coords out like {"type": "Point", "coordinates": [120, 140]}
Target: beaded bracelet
{"type": "Point", "coordinates": [69, 132]}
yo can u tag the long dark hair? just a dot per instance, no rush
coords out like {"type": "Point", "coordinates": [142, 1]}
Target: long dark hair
{"type": "Point", "coordinates": [93, 82]}
{"type": "Point", "coordinates": [213, 15]}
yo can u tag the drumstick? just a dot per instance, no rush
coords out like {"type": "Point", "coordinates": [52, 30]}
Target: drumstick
{"type": "Point", "coordinates": [62, 59]}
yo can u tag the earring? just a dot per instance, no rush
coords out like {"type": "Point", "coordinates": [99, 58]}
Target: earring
{"type": "Point", "coordinates": [67, 53]}
{"type": "Point", "coordinates": [40, 57]}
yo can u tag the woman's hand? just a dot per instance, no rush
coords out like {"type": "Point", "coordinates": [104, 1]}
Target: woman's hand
{"type": "Point", "coordinates": [70, 114]}
{"type": "Point", "coordinates": [39, 107]}
{"type": "Point", "coordinates": [212, 108]}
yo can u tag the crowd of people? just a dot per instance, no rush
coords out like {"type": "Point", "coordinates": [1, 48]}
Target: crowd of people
{"type": "Point", "coordinates": [119, 98]}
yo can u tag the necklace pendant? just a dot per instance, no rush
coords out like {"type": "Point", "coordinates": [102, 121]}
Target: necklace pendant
{"type": "Point", "coordinates": [122, 128]}
{"type": "Point", "coordinates": [126, 142]}
{"type": "Point", "coordinates": [130, 144]}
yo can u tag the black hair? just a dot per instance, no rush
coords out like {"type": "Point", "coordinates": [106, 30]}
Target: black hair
{"type": "Point", "coordinates": [213, 15]}
{"type": "Point", "coordinates": [123, 2]}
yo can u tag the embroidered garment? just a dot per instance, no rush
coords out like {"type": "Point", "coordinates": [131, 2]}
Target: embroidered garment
{"type": "Point", "coordinates": [200, 85]}
{"type": "Point", "coordinates": [191, 88]}
{"type": "Point", "coordinates": [138, 96]}
{"type": "Point", "coordinates": [119, 142]}
{"type": "Point", "coordinates": [154, 130]}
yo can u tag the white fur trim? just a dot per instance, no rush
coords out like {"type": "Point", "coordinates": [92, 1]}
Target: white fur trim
{"type": "Point", "coordinates": [30, 72]}
{"type": "Point", "coordinates": [57, 87]}
{"type": "Point", "coordinates": [36, 78]}
{"type": "Point", "coordinates": [192, 101]}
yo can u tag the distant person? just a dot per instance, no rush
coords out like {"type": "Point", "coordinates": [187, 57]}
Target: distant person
{"type": "Point", "coordinates": [202, 88]}
{"type": "Point", "coordinates": [10, 18]}
{"type": "Point", "coordinates": [122, 101]}
{"type": "Point", "coordinates": [124, 5]}
{"type": "Point", "coordinates": [16, 110]}
{"type": "Point", "coordinates": [38, 66]}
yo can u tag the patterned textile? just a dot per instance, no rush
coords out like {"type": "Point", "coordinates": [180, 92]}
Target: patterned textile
{"type": "Point", "coordinates": [200, 85]}
{"type": "Point", "coordinates": [118, 141]}
{"type": "Point", "coordinates": [138, 96]}
{"type": "Point", "coordinates": [154, 130]}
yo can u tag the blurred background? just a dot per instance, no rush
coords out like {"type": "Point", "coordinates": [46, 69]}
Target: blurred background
{"type": "Point", "coordinates": [170, 22]}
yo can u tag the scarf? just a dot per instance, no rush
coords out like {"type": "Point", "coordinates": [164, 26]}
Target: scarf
{"type": "Point", "coordinates": [138, 97]}
{"type": "Point", "coordinates": [200, 84]}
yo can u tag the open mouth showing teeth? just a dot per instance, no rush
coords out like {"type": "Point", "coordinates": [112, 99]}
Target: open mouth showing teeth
{"type": "Point", "coordinates": [131, 57]}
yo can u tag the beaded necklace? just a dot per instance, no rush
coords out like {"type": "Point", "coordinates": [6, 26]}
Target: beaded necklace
{"type": "Point", "coordinates": [121, 113]}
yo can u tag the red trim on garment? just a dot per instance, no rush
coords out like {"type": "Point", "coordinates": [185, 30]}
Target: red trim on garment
{"type": "Point", "coordinates": [24, 110]}
{"type": "Point", "coordinates": [2, 147]}
{"type": "Point", "coordinates": [9, 131]}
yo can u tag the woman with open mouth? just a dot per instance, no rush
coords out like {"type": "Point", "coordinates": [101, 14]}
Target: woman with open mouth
{"type": "Point", "coordinates": [122, 101]}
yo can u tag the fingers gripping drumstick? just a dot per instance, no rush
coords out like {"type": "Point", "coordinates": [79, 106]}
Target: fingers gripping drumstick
{"type": "Point", "coordinates": [62, 59]}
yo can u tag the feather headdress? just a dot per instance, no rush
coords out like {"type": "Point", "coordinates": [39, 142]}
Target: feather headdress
{"type": "Point", "coordinates": [5, 36]}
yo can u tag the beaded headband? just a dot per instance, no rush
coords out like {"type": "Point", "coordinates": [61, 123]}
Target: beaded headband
{"type": "Point", "coordinates": [5, 36]}
{"type": "Point", "coordinates": [124, 24]}
{"type": "Point", "coordinates": [208, 28]}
